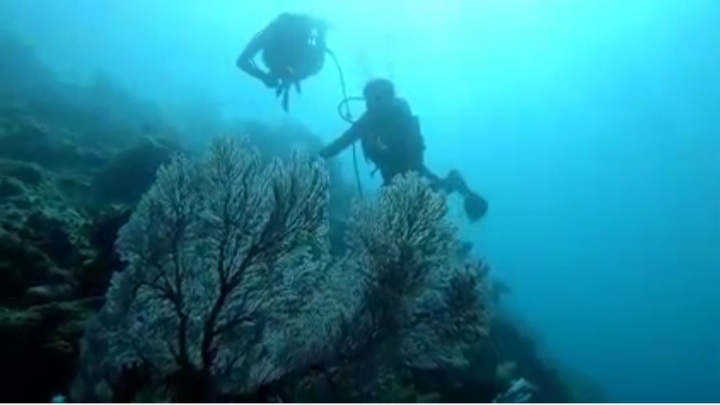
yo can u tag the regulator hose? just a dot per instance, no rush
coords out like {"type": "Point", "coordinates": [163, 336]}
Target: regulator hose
{"type": "Point", "coordinates": [346, 114]}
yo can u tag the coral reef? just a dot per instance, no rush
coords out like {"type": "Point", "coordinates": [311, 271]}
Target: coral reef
{"type": "Point", "coordinates": [229, 279]}
{"type": "Point", "coordinates": [37, 340]}
{"type": "Point", "coordinates": [56, 235]}
{"type": "Point", "coordinates": [131, 172]}
{"type": "Point", "coordinates": [386, 278]}
{"type": "Point", "coordinates": [217, 253]}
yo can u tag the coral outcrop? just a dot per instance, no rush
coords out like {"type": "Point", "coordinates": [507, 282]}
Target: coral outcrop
{"type": "Point", "coordinates": [230, 280]}
{"type": "Point", "coordinates": [386, 278]}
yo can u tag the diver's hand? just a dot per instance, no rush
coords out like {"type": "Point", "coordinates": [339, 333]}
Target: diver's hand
{"type": "Point", "coordinates": [271, 82]}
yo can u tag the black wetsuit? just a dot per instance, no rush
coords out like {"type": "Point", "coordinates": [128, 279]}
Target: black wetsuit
{"type": "Point", "coordinates": [390, 139]}
{"type": "Point", "coordinates": [291, 46]}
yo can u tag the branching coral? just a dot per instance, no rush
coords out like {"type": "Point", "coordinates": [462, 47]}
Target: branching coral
{"type": "Point", "coordinates": [399, 301]}
{"type": "Point", "coordinates": [230, 290]}
{"type": "Point", "coordinates": [418, 306]}
{"type": "Point", "coordinates": [216, 254]}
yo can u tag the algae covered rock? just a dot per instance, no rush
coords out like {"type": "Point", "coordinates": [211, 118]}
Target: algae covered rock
{"type": "Point", "coordinates": [28, 138]}
{"type": "Point", "coordinates": [131, 172]}
{"type": "Point", "coordinates": [41, 247]}
{"type": "Point", "coordinates": [10, 188]}
{"type": "Point", "coordinates": [102, 231]}
{"type": "Point", "coordinates": [45, 339]}
{"type": "Point", "coordinates": [25, 172]}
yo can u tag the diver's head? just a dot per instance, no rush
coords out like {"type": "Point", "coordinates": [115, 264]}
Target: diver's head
{"type": "Point", "coordinates": [379, 94]}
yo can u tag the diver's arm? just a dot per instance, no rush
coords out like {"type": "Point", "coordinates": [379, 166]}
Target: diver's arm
{"type": "Point", "coordinates": [246, 60]}
{"type": "Point", "coordinates": [352, 135]}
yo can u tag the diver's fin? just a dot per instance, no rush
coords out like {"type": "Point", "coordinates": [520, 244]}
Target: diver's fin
{"type": "Point", "coordinates": [475, 206]}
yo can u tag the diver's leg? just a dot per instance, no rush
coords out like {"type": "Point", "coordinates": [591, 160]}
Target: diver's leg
{"type": "Point", "coordinates": [452, 183]}
{"type": "Point", "coordinates": [436, 182]}
{"type": "Point", "coordinates": [455, 183]}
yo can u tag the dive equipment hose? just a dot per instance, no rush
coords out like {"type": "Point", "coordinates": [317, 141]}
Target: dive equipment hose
{"type": "Point", "coordinates": [346, 115]}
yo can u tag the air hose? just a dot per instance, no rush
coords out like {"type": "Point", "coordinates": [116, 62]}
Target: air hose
{"type": "Point", "coordinates": [345, 113]}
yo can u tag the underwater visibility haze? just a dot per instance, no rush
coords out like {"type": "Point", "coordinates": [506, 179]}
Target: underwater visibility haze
{"type": "Point", "coordinates": [591, 127]}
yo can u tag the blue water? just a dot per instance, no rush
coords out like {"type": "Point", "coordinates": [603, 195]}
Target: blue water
{"type": "Point", "coordinates": [592, 127]}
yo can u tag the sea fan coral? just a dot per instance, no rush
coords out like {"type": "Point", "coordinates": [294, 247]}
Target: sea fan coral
{"type": "Point", "coordinates": [418, 306]}
{"type": "Point", "coordinates": [230, 290]}
{"type": "Point", "coordinates": [216, 254]}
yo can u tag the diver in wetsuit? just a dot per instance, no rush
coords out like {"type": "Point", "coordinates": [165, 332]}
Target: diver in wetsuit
{"type": "Point", "coordinates": [390, 138]}
{"type": "Point", "coordinates": [292, 48]}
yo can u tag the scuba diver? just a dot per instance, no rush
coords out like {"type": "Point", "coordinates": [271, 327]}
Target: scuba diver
{"type": "Point", "coordinates": [390, 137]}
{"type": "Point", "coordinates": [293, 49]}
